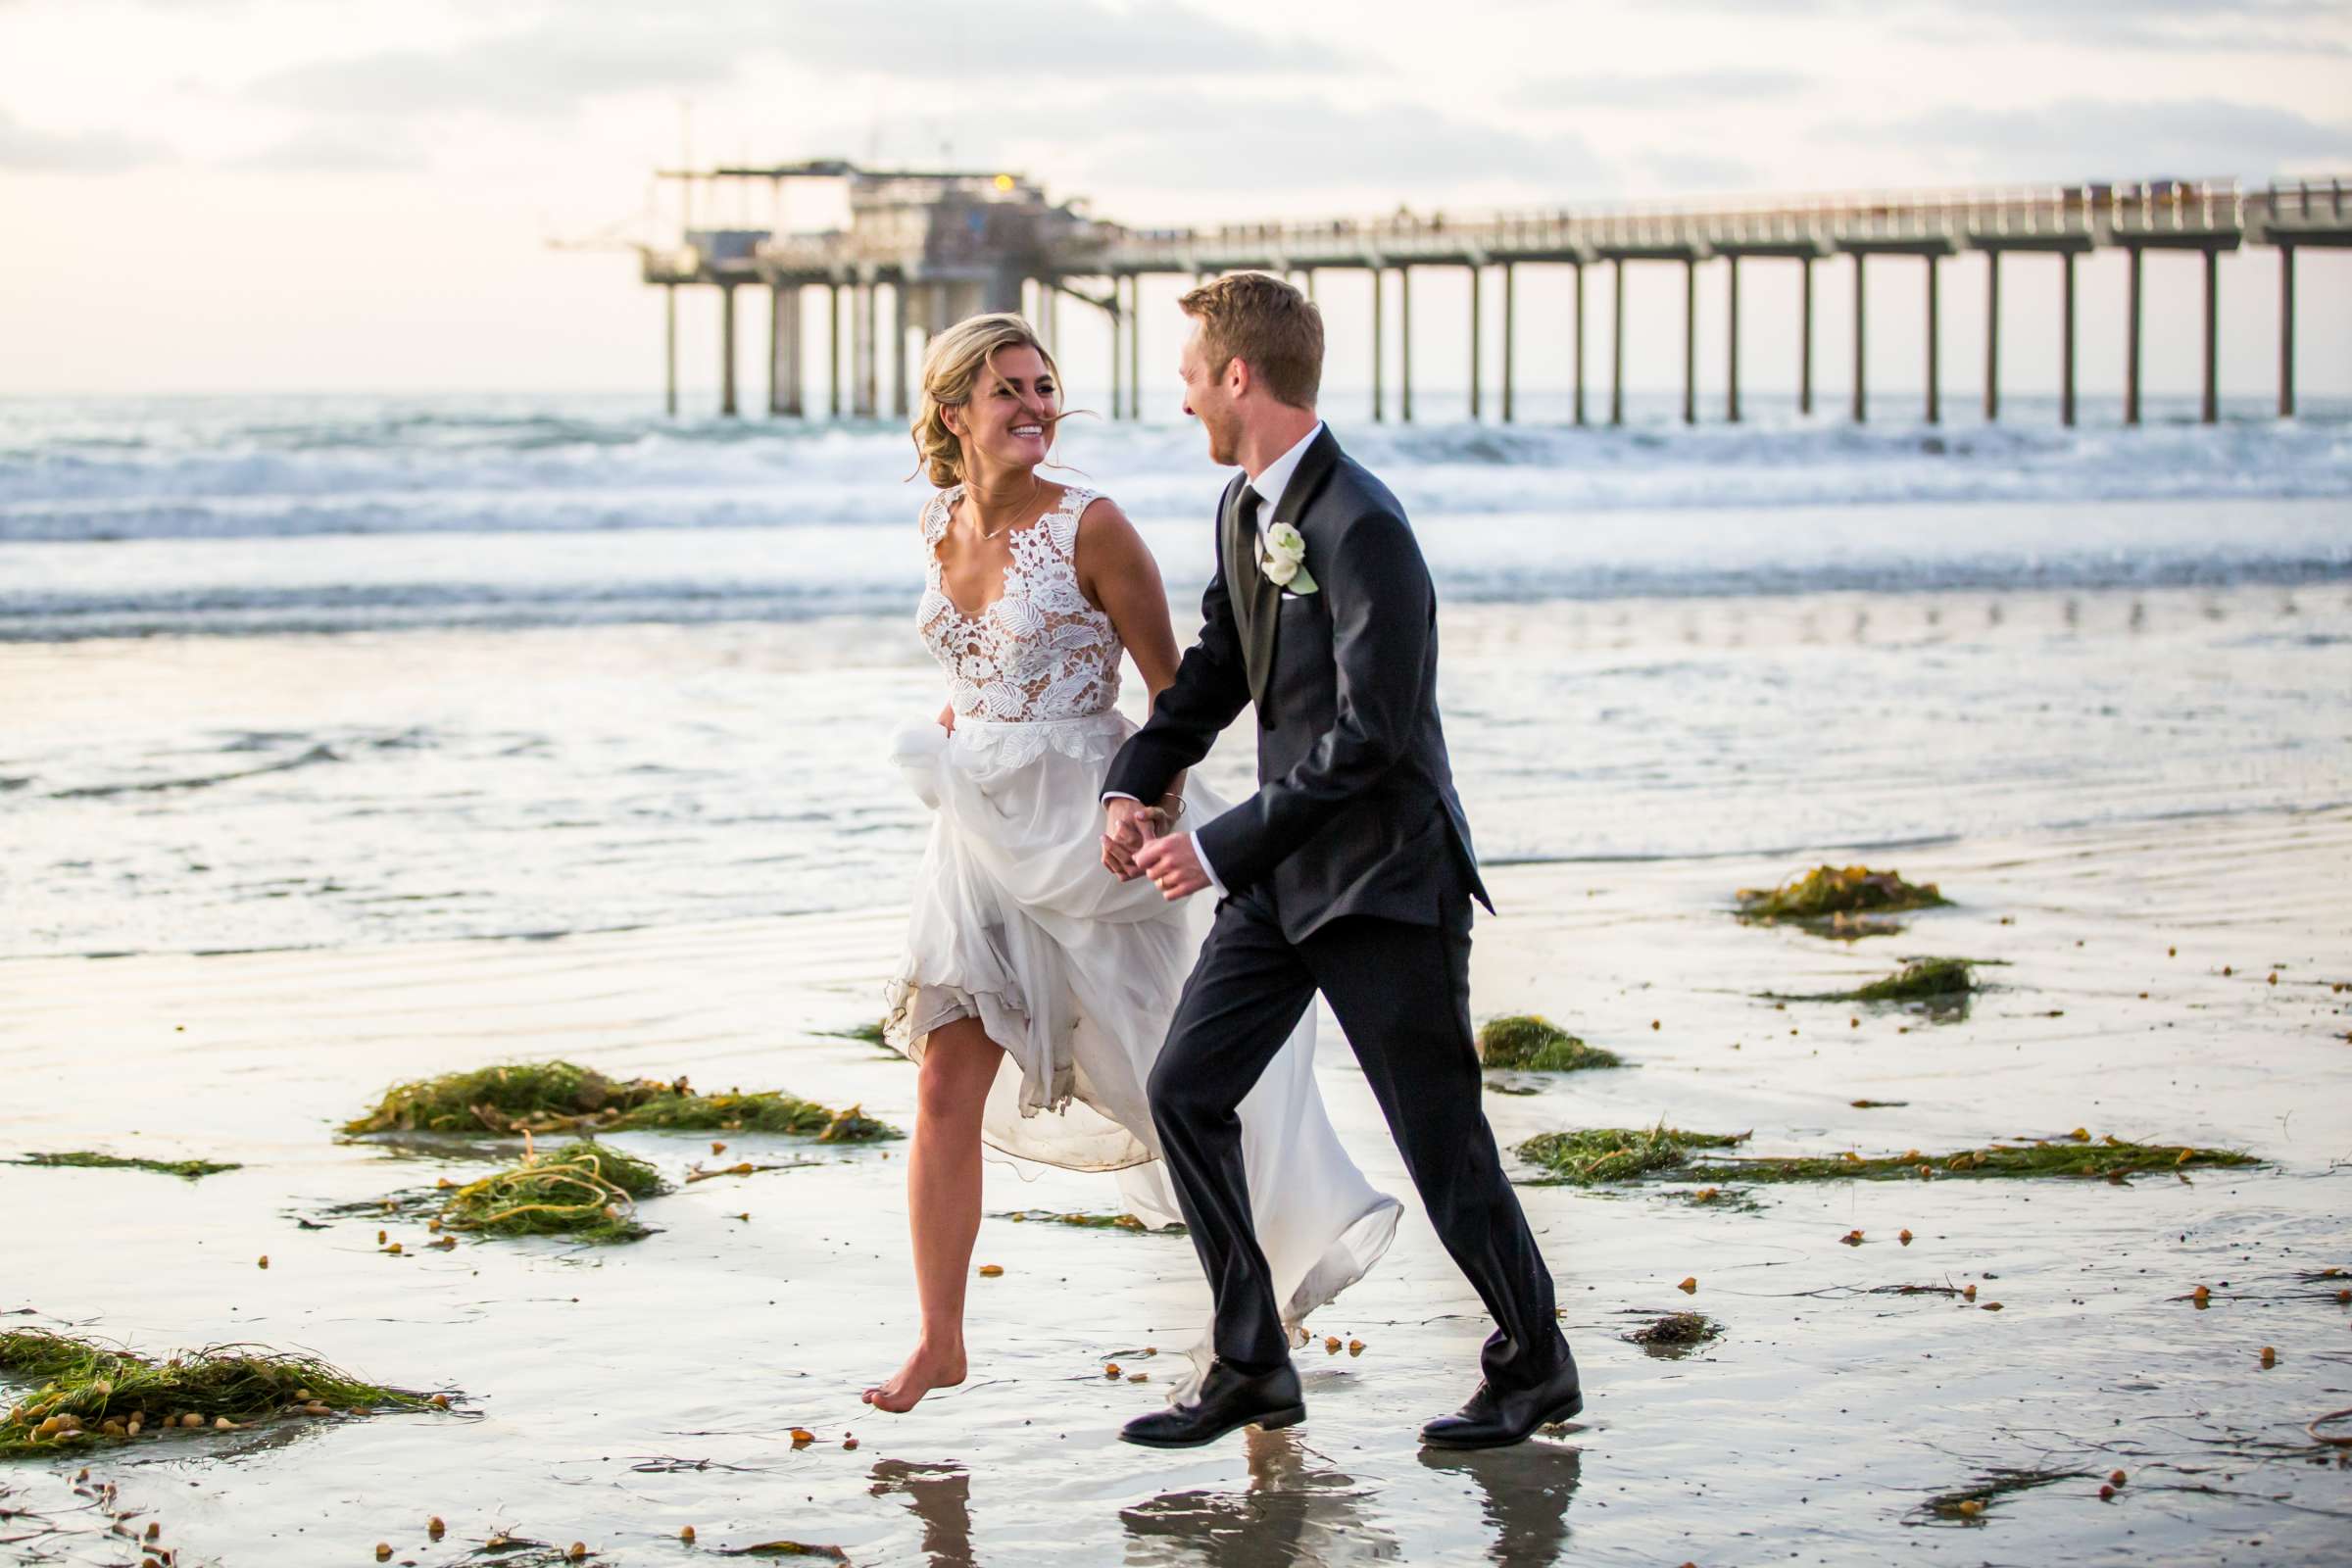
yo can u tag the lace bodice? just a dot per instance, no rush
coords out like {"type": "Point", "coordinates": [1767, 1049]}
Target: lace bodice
{"type": "Point", "coordinates": [1039, 651]}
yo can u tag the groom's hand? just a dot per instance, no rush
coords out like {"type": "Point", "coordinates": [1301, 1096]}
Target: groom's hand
{"type": "Point", "coordinates": [1128, 824]}
{"type": "Point", "coordinates": [1173, 865]}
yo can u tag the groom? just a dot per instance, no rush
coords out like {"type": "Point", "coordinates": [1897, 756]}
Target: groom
{"type": "Point", "coordinates": [1349, 872]}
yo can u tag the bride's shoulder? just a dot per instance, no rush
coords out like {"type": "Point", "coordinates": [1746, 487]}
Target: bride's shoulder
{"type": "Point", "coordinates": [932, 521]}
{"type": "Point", "coordinates": [1101, 531]}
{"type": "Point", "coordinates": [1085, 512]}
{"type": "Point", "coordinates": [1082, 504]}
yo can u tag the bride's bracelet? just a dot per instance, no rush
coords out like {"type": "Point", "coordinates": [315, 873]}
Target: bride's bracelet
{"type": "Point", "coordinates": [1171, 813]}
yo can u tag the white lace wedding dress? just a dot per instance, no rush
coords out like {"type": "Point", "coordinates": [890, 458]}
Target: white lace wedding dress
{"type": "Point", "coordinates": [1072, 971]}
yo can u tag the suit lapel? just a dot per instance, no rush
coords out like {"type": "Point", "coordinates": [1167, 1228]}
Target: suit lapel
{"type": "Point", "coordinates": [1314, 466]}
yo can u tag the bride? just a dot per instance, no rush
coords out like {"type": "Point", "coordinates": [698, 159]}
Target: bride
{"type": "Point", "coordinates": [1036, 986]}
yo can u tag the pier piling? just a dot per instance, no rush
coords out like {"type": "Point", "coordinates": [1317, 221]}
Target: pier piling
{"type": "Point", "coordinates": [1510, 318]}
{"type": "Point", "coordinates": [2211, 409]}
{"type": "Point", "coordinates": [2132, 340]}
{"type": "Point", "coordinates": [1934, 342]}
{"type": "Point", "coordinates": [784, 351]}
{"type": "Point", "coordinates": [2066, 339]}
{"type": "Point", "coordinates": [1379, 350]}
{"type": "Point", "coordinates": [1135, 348]}
{"type": "Point", "coordinates": [1617, 341]}
{"type": "Point", "coordinates": [898, 349]}
{"type": "Point", "coordinates": [833, 345]}
{"type": "Point", "coordinates": [1404, 344]}
{"type": "Point", "coordinates": [1804, 335]}
{"type": "Point", "coordinates": [1993, 335]}
{"type": "Point", "coordinates": [1861, 399]}
{"type": "Point", "coordinates": [1731, 378]}
{"type": "Point", "coordinates": [1477, 338]}
{"type": "Point", "coordinates": [669, 349]}
{"type": "Point", "coordinates": [726, 349]}
{"type": "Point", "coordinates": [1577, 330]}
{"type": "Point", "coordinates": [1689, 340]}
{"type": "Point", "coordinates": [2287, 331]}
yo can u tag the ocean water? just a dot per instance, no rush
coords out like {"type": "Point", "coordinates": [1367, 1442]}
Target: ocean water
{"type": "Point", "coordinates": [264, 515]}
{"type": "Point", "coordinates": [293, 672]}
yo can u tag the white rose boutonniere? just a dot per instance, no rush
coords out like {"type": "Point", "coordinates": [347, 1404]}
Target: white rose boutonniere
{"type": "Point", "coordinates": [1285, 559]}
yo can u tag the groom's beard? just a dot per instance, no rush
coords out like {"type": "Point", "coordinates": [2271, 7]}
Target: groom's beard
{"type": "Point", "coordinates": [1224, 440]}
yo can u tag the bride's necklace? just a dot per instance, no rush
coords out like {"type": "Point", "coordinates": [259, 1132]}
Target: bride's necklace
{"type": "Point", "coordinates": [979, 519]}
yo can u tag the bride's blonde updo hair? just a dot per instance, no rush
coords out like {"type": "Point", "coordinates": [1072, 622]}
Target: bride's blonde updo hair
{"type": "Point", "coordinates": [952, 367]}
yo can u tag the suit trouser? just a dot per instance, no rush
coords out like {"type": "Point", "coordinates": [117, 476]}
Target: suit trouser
{"type": "Point", "coordinates": [1402, 991]}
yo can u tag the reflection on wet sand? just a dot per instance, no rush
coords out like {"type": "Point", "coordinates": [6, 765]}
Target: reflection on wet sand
{"type": "Point", "coordinates": [940, 1496]}
{"type": "Point", "coordinates": [1296, 1511]}
{"type": "Point", "coordinates": [1527, 1491]}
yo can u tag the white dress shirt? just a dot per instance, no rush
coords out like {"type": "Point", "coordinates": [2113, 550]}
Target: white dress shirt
{"type": "Point", "coordinates": [1269, 483]}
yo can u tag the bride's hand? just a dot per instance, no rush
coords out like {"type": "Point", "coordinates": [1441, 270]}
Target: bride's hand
{"type": "Point", "coordinates": [1128, 825]}
{"type": "Point", "coordinates": [947, 718]}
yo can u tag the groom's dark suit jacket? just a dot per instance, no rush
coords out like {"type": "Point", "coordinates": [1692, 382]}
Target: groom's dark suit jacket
{"type": "Point", "coordinates": [1356, 812]}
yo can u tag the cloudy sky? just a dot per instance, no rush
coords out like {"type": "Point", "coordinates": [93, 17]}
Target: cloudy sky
{"type": "Point", "coordinates": [296, 194]}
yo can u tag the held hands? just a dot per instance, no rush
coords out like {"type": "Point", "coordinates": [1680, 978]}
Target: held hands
{"type": "Point", "coordinates": [1128, 825]}
{"type": "Point", "coordinates": [1136, 842]}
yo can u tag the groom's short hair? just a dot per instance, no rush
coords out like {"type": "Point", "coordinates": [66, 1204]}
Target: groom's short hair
{"type": "Point", "coordinates": [1265, 322]}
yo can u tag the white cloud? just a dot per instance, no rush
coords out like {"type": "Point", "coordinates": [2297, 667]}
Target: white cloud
{"type": "Point", "coordinates": [30, 150]}
{"type": "Point", "coordinates": [1617, 90]}
{"type": "Point", "coordinates": [2086, 139]}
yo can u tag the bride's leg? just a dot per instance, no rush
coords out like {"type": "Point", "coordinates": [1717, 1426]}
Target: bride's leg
{"type": "Point", "coordinates": [943, 1205]}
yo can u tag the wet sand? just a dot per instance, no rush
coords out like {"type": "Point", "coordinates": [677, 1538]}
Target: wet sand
{"type": "Point", "coordinates": [611, 1396]}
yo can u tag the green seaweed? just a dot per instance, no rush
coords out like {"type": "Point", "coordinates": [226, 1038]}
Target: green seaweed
{"type": "Point", "coordinates": [88, 1394]}
{"type": "Point", "coordinates": [582, 1190]}
{"type": "Point", "coordinates": [1611, 1155]}
{"type": "Point", "coordinates": [870, 1033]}
{"type": "Point", "coordinates": [1091, 1222]}
{"type": "Point", "coordinates": [1596, 1155]}
{"type": "Point", "coordinates": [87, 1159]}
{"type": "Point", "coordinates": [1938, 982]}
{"type": "Point", "coordinates": [1676, 1332]}
{"type": "Point", "coordinates": [765, 1111]}
{"type": "Point", "coordinates": [564, 1097]}
{"type": "Point", "coordinates": [1533, 1044]}
{"type": "Point", "coordinates": [1841, 901]}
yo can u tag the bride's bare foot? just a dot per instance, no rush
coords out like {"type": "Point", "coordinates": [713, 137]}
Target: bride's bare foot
{"type": "Point", "coordinates": [926, 1369]}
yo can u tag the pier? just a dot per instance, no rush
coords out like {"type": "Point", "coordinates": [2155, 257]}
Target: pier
{"type": "Point", "coordinates": [947, 244]}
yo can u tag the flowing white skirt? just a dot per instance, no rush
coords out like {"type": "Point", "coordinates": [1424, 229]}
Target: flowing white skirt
{"type": "Point", "coordinates": [1076, 975]}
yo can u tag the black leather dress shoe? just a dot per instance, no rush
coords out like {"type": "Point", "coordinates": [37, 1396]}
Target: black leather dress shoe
{"type": "Point", "coordinates": [1228, 1400]}
{"type": "Point", "coordinates": [1493, 1420]}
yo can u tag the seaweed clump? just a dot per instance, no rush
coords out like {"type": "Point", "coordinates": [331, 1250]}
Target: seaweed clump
{"type": "Point", "coordinates": [1938, 982]}
{"type": "Point", "coordinates": [1921, 980]}
{"type": "Point", "coordinates": [87, 1159]}
{"type": "Point", "coordinates": [87, 1393]}
{"type": "Point", "coordinates": [1606, 1155]}
{"type": "Point", "coordinates": [582, 1190]}
{"type": "Point", "coordinates": [564, 1097]}
{"type": "Point", "coordinates": [1596, 1155]}
{"type": "Point", "coordinates": [1838, 898]}
{"type": "Point", "coordinates": [1676, 1332]}
{"type": "Point", "coordinates": [1535, 1043]}
{"type": "Point", "coordinates": [1090, 1222]}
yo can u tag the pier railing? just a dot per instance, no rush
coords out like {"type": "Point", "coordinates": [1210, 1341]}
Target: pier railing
{"type": "Point", "coordinates": [1978, 218]}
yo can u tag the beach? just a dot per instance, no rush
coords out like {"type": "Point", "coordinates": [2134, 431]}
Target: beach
{"type": "Point", "coordinates": [614, 1396]}
{"type": "Point", "coordinates": [331, 763]}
